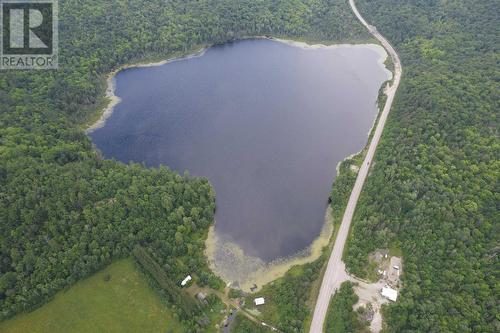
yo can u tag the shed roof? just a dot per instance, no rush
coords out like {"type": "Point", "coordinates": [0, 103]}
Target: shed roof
{"type": "Point", "coordinates": [186, 280]}
{"type": "Point", "coordinates": [259, 301]}
{"type": "Point", "coordinates": [390, 293]}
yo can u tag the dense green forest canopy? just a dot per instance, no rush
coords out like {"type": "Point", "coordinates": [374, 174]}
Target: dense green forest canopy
{"type": "Point", "coordinates": [64, 211]}
{"type": "Point", "coordinates": [434, 187]}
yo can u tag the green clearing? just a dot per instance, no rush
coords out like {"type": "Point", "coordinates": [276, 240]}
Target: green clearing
{"type": "Point", "coordinates": [341, 318]}
{"type": "Point", "coordinates": [125, 303]}
{"type": "Point", "coordinates": [243, 325]}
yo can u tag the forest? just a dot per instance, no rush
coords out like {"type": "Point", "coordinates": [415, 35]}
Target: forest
{"type": "Point", "coordinates": [341, 318]}
{"type": "Point", "coordinates": [64, 211]}
{"type": "Point", "coordinates": [433, 191]}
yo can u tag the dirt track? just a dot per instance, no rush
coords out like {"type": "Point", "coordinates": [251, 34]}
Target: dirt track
{"type": "Point", "coordinates": [335, 272]}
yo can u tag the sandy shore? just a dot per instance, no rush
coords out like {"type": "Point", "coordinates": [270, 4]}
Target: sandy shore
{"type": "Point", "coordinates": [228, 261]}
{"type": "Point", "coordinates": [111, 85]}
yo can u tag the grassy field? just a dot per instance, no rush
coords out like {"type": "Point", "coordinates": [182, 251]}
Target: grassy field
{"type": "Point", "coordinates": [125, 303]}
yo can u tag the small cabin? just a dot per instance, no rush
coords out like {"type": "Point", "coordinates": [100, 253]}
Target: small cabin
{"type": "Point", "coordinates": [259, 301]}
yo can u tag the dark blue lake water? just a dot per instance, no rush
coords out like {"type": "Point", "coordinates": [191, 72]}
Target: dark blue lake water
{"type": "Point", "coordinates": [266, 122]}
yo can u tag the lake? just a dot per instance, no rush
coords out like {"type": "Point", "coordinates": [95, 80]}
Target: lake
{"type": "Point", "coordinates": [266, 122]}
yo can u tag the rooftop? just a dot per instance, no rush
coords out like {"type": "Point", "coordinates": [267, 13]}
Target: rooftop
{"type": "Point", "coordinates": [390, 293]}
{"type": "Point", "coordinates": [259, 301]}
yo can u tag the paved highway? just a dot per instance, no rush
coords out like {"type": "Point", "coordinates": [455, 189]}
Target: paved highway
{"type": "Point", "coordinates": [335, 272]}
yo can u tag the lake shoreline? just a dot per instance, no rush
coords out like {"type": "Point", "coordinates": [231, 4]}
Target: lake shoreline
{"type": "Point", "coordinates": [255, 270]}
{"type": "Point", "coordinates": [114, 100]}
{"type": "Point", "coordinates": [271, 271]}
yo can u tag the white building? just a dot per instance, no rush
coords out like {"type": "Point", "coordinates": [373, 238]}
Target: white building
{"type": "Point", "coordinates": [186, 280]}
{"type": "Point", "coordinates": [390, 293]}
{"type": "Point", "coordinates": [259, 301]}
